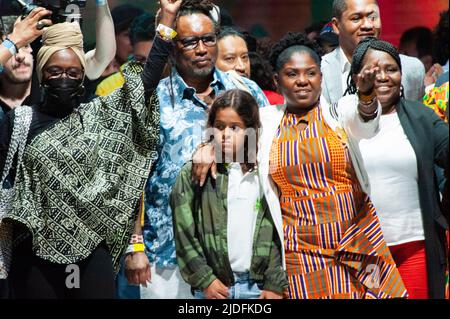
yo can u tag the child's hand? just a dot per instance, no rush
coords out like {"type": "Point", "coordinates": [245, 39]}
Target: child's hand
{"type": "Point", "coordinates": [216, 290]}
{"type": "Point", "coordinates": [266, 294]}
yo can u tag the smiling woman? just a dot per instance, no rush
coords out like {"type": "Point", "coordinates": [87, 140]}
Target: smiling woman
{"type": "Point", "coordinates": [399, 160]}
{"type": "Point", "coordinates": [315, 185]}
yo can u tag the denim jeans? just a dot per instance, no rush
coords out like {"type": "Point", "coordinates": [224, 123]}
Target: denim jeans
{"type": "Point", "coordinates": [243, 288]}
{"type": "Point", "coordinates": [123, 289]}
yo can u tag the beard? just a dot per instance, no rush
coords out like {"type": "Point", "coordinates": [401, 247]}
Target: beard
{"type": "Point", "coordinates": [202, 72]}
{"type": "Point", "coordinates": [15, 79]}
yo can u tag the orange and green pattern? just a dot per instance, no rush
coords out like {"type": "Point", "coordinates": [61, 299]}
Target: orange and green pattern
{"type": "Point", "coordinates": [437, 99]}
{"type": "Point", "coordinates": [333, 241]}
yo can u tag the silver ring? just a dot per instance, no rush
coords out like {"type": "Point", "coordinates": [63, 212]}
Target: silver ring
{"type": "Point", "coordinates": [40, 25]}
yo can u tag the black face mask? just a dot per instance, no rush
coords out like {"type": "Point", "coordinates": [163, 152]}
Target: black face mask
{"type": "Point", "coordinates": [61, 96]}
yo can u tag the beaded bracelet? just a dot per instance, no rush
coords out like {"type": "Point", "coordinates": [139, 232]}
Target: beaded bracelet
{"type": "Point", "coordinates": [367, 115]}
{"type": "Point", "coordinates": [137, 239]}
{"type": "Point", "coordinates": [366, 98]}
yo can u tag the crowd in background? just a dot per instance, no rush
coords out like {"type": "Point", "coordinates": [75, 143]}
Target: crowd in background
{"type": "Point", "coordinates": [124, 158]}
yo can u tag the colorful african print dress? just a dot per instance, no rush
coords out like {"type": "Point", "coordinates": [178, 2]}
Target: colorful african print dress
{"type": "Point", "coordinates": [333, 241]}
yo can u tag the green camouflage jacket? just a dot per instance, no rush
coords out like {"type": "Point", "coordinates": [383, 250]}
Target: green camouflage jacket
{"type": "Point", "coordinates": [200, 231]}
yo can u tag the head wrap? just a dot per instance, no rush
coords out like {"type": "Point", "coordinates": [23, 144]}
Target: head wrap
{"type": "Point", "coordinates": [59, 37]}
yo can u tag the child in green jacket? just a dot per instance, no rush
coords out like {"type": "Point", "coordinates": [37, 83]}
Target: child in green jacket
{"type": "Point", "coordinates": [226, 242]}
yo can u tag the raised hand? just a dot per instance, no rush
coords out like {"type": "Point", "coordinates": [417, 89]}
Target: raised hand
{"type": "Point", "coordinates": [433, 74]}
{"type": "Point", "coordinates": [168, 12]}
{"type": "Point", "coordinates": [30, 28]}
{"type": "Point", "coordinates": [365, 80]}
{"type": "Point", "coordinates": [170, 6]}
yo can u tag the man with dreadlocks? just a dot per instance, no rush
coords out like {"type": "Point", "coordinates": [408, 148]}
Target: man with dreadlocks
{"type": "Point", "coordinates": [354, 20]}
{"type": "Point", "coordinates": [399, 160]}
{"type": "Point", "coordinates": [185, 97]}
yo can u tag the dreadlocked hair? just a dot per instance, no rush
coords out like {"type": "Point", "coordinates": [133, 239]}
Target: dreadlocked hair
{"type": "Point", "coordinates": [205, 7]}
{"type": "Point", "coordinates": [190, 7]}
{"type": "Point", "coordinates": [360, 53]}
{"type": "Point", "coordinates": [293, 42]}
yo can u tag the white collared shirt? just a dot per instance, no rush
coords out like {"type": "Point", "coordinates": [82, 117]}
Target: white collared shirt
{"type": "Point", "coordinates": [244, 193]}
{"type": "Point", "coordinates": [345, 67]}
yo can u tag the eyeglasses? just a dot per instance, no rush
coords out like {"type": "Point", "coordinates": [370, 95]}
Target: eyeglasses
{"type": "Point", "coordinates": [57, 72]}
{"type": "Point", "coordinates": [191, 43]}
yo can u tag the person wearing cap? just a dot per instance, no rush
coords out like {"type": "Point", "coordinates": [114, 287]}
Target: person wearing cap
{"type": "Point", "coordinates": [353, 21]}
{"type": "Point", "coordinates": [327, 39]}
{"type": "Point", "coordinates": [123, 16]}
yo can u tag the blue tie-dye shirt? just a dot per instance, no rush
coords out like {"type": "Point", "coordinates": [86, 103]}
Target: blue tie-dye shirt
{"type": "Point", "coordinates": [183, 120]}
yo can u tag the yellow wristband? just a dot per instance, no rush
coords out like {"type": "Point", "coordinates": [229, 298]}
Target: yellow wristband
{"type": "Point", "coordinates": [135, 248]}
{"type": "Point", "coordinates": [138, 247]}
{"type": "Point", "coordinates": [165, 32]}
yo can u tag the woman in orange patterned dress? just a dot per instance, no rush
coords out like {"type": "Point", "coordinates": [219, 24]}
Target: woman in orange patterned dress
{"type": "Point", "coordinates": [314, 181]}
{"type": "Point", "coordinates": [313, 178]}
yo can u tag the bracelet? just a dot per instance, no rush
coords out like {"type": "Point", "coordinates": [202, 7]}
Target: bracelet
{"type": "Point", "coordinates": [99, 3]}
{"type": "Point", "coordinates": [166, 33]}
{"type": "Point", "coordinates": [137, 239]}
{"type": "Point", "coordinates": [364, 114]}
{"type": "Point", "coordinates": [366, 98]}
{"type": "Point", "coordinates": [135, 248]}
{"type": "Point", "coordinates": [11, 46]}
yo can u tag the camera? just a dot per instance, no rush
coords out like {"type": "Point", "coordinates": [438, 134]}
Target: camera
{"type": "Point", "coordinates": [63, 10]}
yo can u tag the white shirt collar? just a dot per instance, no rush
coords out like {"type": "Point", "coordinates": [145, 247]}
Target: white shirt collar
{"type": "Point", "coordinates": [343, 61]}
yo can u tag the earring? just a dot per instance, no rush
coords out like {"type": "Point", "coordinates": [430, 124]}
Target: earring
{"type": "Point", "coordinates": [402, 91]}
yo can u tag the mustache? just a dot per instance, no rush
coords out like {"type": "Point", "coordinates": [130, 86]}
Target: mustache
{"type": "Point", "coordinates": [202, 60]}
{"type": "Point", "coordinates": [18, 65]}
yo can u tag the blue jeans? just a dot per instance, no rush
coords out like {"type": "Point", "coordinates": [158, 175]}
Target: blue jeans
{"type": "Point", "coordinates": [243, 288]}
{"type": "Point", "coordinates": [123, 289]}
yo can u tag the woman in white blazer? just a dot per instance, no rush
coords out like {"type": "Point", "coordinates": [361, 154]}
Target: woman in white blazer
{"type": "Point", "coordinates": [313, 179]}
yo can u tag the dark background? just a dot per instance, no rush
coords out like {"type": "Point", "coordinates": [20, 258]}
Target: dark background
{"type": "Point", "coordinates": [280, 16]}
